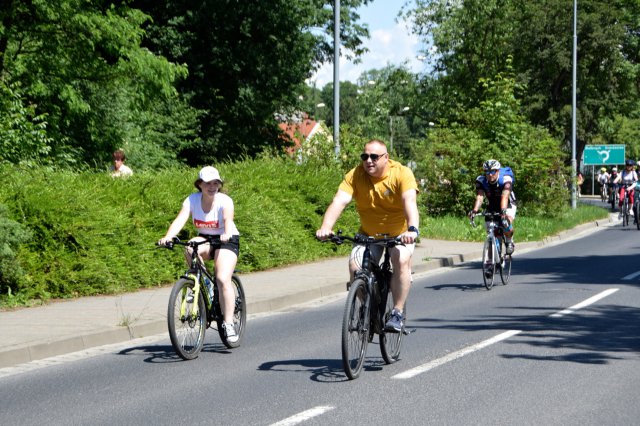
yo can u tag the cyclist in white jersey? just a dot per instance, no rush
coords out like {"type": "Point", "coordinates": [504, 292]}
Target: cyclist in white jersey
{"type": "Point", "coordinates": [212, 213]}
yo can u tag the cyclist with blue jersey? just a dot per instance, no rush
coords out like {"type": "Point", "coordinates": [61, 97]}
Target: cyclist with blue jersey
{"type": "Point", "coordinates": [497, 185]}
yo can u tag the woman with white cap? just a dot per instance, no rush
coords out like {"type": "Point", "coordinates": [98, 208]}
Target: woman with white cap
{"type": "Point", "coordinates": [212, 213]}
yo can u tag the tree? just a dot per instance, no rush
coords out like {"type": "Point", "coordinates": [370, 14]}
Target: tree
{"type": "Point", "coordinates": [475, 38]}
{"type": "Point", "coordinates": [246, 61]}
{"type": "Point", "coordinates": [81, 63]}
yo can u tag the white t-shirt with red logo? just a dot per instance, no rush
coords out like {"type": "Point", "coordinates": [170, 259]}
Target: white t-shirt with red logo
{"type": "Point", "coordinates": [211, 223]}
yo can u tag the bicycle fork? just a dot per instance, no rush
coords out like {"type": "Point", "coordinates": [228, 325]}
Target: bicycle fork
{"type": "Point", "coordinates": [196, 294]}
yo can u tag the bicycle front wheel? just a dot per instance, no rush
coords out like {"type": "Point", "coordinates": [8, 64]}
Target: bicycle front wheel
{"type": "Point", "coordinates": [625, 212]}
{"type": "Point", "coordinates": [505, 269]}
{"type": "Point", "coordinates": [488, 263]}
{"type": "Point", "coordinates": [239, 315]}
{"type": "Point", "coordinates": [390, 343]}
{"type": "Point", "coordinates": [355, 328]}
{"type": "Point", "coordinates": [186, 324]}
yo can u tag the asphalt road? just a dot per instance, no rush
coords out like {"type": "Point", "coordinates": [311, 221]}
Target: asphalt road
{"type": "Point", "coordinates": [559, 345]}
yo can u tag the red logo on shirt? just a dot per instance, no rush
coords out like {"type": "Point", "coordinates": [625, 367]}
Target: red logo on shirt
{"type": "Point", "coordinates": [213, 224]}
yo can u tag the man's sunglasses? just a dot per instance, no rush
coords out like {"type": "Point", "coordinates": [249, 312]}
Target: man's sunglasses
{"type": "Point", "coordinates": [374, 157]}
{"type": "Point", "coordinates": [491, 172]}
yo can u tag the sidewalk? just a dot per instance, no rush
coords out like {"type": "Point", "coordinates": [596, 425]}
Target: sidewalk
{"type": "Point", "coordinates": [63, 327]}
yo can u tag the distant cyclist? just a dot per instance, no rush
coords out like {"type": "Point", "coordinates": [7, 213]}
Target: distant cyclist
{"type": "Point", "coordinates": [603, 180]}
{"type": "Point", "coordinates": [385, 194]}
{"type": "Point", "coordinates": [627, 180]}
{"type": "Point", "coordinates": [497, 185]}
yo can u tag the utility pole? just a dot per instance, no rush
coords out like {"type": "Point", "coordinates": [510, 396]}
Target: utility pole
{"type": "Point", "coordinates": [336, 76]}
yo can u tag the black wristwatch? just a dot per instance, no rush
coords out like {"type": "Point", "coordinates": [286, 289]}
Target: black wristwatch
{"type": "Point", "coordinates": [413, 229]}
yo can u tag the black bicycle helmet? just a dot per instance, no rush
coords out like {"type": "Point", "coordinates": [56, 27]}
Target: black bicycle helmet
{"type": "Point", "coordinates": [630, 163]}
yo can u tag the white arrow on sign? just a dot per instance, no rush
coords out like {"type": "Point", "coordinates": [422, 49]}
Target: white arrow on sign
{"type": "Point", "coordinates": [604, 154]}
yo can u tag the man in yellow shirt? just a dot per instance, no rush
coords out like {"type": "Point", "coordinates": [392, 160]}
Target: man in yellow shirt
{"type": "Point", "coordinates": [385, 192]}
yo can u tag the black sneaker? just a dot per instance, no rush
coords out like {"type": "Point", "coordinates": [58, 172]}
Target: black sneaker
{"type": "Point", "coordinates": [395, 323]}
{"type": "Point", "coordinates": [509, 247]}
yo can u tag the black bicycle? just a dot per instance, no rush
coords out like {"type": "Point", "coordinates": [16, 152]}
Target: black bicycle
{"type": "Point", "coordinates": [368, 307]}
{"type": "Point", "coordinates": [492, 258]}
{"type": "Point", "coordinates": [194, 304]}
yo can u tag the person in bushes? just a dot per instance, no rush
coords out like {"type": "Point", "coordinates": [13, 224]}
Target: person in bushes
{"type": "Point", "coordinates": [385, 193]}
{"type": "Point", "coordinates": [212, 213]}
{"type": "Point", "coordinates": [119, 169]}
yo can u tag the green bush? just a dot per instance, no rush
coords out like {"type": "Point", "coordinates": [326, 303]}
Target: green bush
{"type": "Point", "coordinates": [451, 158]}
{"type": "Point", "coordinates": [12, 235]}
{"type": "Point", "coordinates": [93, 234]}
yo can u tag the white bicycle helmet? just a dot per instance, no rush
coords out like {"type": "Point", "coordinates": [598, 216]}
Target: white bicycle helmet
{"type": "Point", "coordinates": [491, 165]}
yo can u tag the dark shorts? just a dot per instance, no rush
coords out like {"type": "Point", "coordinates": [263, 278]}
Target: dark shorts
{"type": "Point", "coordinates": [233, 244]}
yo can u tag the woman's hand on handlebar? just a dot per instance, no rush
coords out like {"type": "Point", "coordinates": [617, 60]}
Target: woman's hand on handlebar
{"type": "Point", "coordinates": [165, 241]}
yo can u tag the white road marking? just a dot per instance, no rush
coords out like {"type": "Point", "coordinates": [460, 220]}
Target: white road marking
{"type": "Point", "coordinates": [587, 302]}
{"type": "Point", "coordinates": [631, 276]}
{"type": "Point", "coordinates": [500, 337]}
{"type": "Point", "coordinates": [455, 355]}
{"type": "Point", "coordinates": [304, 416]}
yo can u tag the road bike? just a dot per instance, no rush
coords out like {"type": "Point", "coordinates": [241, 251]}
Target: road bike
{"type": "Point", "coordinates": [493, 259]}
{"type": "Point", "coordinates": [368, 306]}
{"type": "Point", "coordinates": [194, 304]}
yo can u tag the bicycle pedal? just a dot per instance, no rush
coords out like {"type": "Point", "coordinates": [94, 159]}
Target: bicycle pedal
{"type": "Point", "coordinates": [407, 332]}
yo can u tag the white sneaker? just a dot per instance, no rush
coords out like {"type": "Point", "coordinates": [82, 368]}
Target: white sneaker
{"type": "Point", "coordinates": [230, 332]}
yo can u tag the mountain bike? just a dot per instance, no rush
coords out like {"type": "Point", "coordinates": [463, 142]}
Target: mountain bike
{"type": "Point", "coordinates": [368, 306]}
{"type": "Point", "coordinates": [492, 258]}
{"type": "Point", "coordinates": [194, 304]}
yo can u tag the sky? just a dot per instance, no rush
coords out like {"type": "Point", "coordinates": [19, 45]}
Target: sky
{"type": "Point", "coordinates": [390, 42]}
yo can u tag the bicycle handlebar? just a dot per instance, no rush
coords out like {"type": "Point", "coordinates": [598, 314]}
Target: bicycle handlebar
{"type": "Point", "coordinates": [193, 244]}
{"type": "Point", "coordinates": [492, 215]}
{"type": "Point", "coordinates": [364, 240]}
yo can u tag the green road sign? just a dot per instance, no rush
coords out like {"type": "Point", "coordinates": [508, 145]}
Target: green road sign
{"type": "Point", "coordinates": [595, 155]}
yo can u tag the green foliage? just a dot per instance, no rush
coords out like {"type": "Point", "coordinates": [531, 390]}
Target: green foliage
{"type": "Point", "coordinates": [69, 234]}
{"type": "Point", "coordinates": [475, 39]}
{"type": "Point", "coordinates": [24, 137]}
{"type": "Point", "coordinates": [93, 234]}
{"type": "Point", "coordinates": [247, 61]}
{"type": "Point", "coordinates": [451, 158]}
{"type": "Point", "coordinates": [12, 235]}
{"type": "Point", "coordinates": [80, 64]}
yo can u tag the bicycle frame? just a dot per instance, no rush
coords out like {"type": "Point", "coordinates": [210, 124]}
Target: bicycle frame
{"type": "Point", "coordinates": [378, 279]}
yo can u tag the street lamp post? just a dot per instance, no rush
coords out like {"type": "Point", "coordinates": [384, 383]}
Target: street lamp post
{"type": "Point", "coordinates": [391, 117]}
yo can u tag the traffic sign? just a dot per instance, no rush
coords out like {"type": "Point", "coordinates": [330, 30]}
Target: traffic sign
{"type": "Point", "coordinates": [595, 155]}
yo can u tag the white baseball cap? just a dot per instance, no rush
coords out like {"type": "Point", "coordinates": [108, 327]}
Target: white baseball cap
{"type": "Point", "coordinates": [207, 174]}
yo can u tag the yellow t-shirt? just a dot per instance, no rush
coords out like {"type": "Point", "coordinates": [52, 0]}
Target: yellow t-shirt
{"type": "Point", "coordinates": [379, 200]}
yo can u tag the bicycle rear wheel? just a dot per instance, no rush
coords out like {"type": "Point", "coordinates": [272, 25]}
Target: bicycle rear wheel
{"type": "Point", "coordinates": [355, 329]}
{"type": "Point", "coordinates": [186, 327]}
{"type": "Point", "coordinates": [390, 343]}
{"type": "Point", "coordinates": [239, 315]}
{"type": "Point", "coordinates": [488, 263]}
